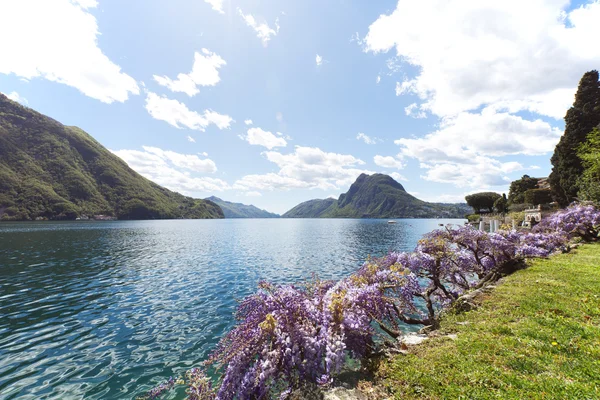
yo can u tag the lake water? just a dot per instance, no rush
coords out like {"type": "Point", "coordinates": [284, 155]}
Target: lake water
{"type": "Point", "coordinates": [105, 310]}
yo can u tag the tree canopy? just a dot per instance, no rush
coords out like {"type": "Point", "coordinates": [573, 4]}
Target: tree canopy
{"type": "Point", "coordinates": [516, 194]}
{"type": "Point", "coordinates": [538, 196]}
{"type": "Point", "coordinates": [589, 153]}
{"type": "Point", "coordinates": [482, 201]}
{"type": "Point", "coordinates": [580, 120]}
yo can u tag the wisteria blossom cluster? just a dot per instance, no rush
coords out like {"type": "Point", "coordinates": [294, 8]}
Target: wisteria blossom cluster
{"type": "Point", "coordinates": [291, 335]}
{"type": "Point", "coordinates": [581, 221]}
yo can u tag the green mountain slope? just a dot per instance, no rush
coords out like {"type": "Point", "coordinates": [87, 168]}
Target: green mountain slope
{"type": "Point", "coordinates": [310, 209]}
{"type": "Point", "coordinates": [239, 210]}
{"type": "Point", "coordinates": [59, 172]}
{"type": "Point", "coordinates": [376, 196]}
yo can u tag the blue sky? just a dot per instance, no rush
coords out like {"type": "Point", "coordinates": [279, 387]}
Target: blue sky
{"type": "Point", "coordinates": [277, 102]}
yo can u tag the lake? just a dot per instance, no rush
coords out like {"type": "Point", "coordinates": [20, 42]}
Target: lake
{"type": "Point", "coordinates": [105, 310]}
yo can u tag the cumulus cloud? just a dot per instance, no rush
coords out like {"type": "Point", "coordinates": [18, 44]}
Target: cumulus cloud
{"type": "Point", "coordinates": [413, 111]}
{"type": "Point", "coordinates": [191, 139]}
{"type": "Point", "coordinates": [178, 115]}
{"type": "Point", "coordinates": [57, 40]}
{"type": "Point", "coordinates": [490, 133]}
{"type": "Point", "coordinates": [319, 60]}
{"type": "Point", "coordinates": [259, 137]}
{"type": "Point", "coordinates": [263, 30]}
{"type": "Point", "coordinates": [305, 168]}
{"type": "Point", "coordinates": [388, 162]}
{"type": "Point", "coordinates": [397, 176]}
{"type": "Point", "coordinates": [205, 72]}
{"type": "Point", "coordinates": [518, 55]}
{"type": "Point", "coordinates": [217, 5]}
{"type": "Point", "coordinates": [248, 122]}
{"type": "Point", "coordinates": [367, 139]}
{"type": "Point", "coordinates": [480, 172]}
{"type": "Point", "coordinates": [461, 151]}
{"type": "Point", "coordinates": [176, 171]}
{"type": "Point", "coordinates": [14, 96]}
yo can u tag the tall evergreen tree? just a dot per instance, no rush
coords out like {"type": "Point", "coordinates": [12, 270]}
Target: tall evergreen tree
{"type": "Point", "coordinates": [580, 120]}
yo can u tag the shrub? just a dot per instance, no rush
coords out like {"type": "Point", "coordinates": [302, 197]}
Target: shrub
{"type": "Point", "coordinates": [288, 336]}
{"type": "Point", "coordinates": [538, 196]}
{"type": "Point", "coordinates": [473, 217]}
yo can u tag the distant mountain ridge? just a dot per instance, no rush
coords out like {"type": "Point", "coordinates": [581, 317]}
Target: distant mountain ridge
{"type": "Point", "coordinates": [49, 170]}
{"type": "Point", "coordinates": [376, 196]}
{"type": "Point", "coordinates": [239, 210]}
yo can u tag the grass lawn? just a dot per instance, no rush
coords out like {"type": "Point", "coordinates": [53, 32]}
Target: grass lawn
{"type": "Point", "coordinates": [536, 336]}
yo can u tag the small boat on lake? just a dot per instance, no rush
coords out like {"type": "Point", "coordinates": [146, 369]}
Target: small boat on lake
{"type": "Point", "coordinates": [392, 222]}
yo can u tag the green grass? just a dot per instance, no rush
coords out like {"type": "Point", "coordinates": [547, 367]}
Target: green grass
{"type": "Point", "coordinates": [536, 336]}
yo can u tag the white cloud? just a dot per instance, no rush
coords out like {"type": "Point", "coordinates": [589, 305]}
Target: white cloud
{"type": "Point", "coordinates": [14, 96]}
{"type": "Point", "coordinates": [248, 122]}
{"type": "Point", "coordinates": [178, 115]}
{"type": "Point", "coordinates": [217, 5]}
{"type": "Point", "coordinates": [512, 54]}
{"type": "Point", "coordinates": [319, 60]}
{"type": "Point", "coordinates": [259, 137]}
{"type": "Point", "coordinates": [461, 151]}
{"type": "Point", "coordinates": [205, 72]}
{"type": "Point", "coordinates": [446, 198]}
{"type": "Point", "coordinates": [57, 40]}
{"type": "Point", "coordinates": [191, 139]}
{"type": "Point", "coordinates": [305, 168]}
{"type": "Point", "coordinates": [263, 31]}
{"type": "Point", "coordinates": [367, 139]}
{"type": "Point", "coordinates": [489, 133]}
{"type": "Point", "coordinates": [173, 170]}
{"type": "Point", "coordinates": [388, 162]}
{"type": "Point", "coordinates": [378, 79]}
{"type": "Point", "coordinates": [482, 172]}
{"type": "Point", "coordinates": [398, 177]}
{"type": "Point", "coordinates": [185, 161]}
{"type": "Point", "coordinates": [412, 111]}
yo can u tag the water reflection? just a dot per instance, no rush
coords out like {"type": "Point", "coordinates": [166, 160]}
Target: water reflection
{"type": "Point", "coordinates": [104, 310]}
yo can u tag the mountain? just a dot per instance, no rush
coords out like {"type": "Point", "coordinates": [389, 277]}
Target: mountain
{"type": "Point", "coordinates": [376, 196]}
{"type": "Point", "coordinates": [310, 209]}
{"type": "Point", "coordinates": [239, 210]}
{"type": "Point", "coordinates": [48, 170]}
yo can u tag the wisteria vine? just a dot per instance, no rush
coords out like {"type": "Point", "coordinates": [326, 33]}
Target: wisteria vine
{"type": "Point", "coordinates": [290, 335]}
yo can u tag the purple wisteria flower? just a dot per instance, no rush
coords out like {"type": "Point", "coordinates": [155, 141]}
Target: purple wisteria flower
{"type": "Point", "coordinates": [287, 336]}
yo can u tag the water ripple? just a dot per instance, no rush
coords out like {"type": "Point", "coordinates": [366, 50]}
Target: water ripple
{"type": "Point", "coordinates": [106, 310]}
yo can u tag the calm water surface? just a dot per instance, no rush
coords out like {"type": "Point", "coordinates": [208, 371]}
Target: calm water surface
{"type": "Point", "coordinates": [105, 310]}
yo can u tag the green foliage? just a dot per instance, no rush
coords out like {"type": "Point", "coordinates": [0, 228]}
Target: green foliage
{"type": "Point", "coordinates": [534, 337]}
{"type": "Point", "coordinates": [310, 209]}
{"type": "Point", "coordinates": [518, 217]}
{"type": "Point", "coordinates": [580, 120]}
{"type": "Point", "coordinates": [57, 172]}
{"type": "Point", "coordinates": [473, 217]}
{"type": "Point", "coordinates": [482, 201]}
{"type": "Point", "coordinates": [501, 204]}
{"type": "Point", "coordinates": [239, 210]}
{"type": "Point", "coordinates": [538, 196]}
{"type": "Point", "coordinates": [589, 153]}
{"type": "Point", "coordinates": [516, 194]}
{"type": "Point", "coordinates": [376, 196]}
{"type": "Point", "coordinates": [519, 207]}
